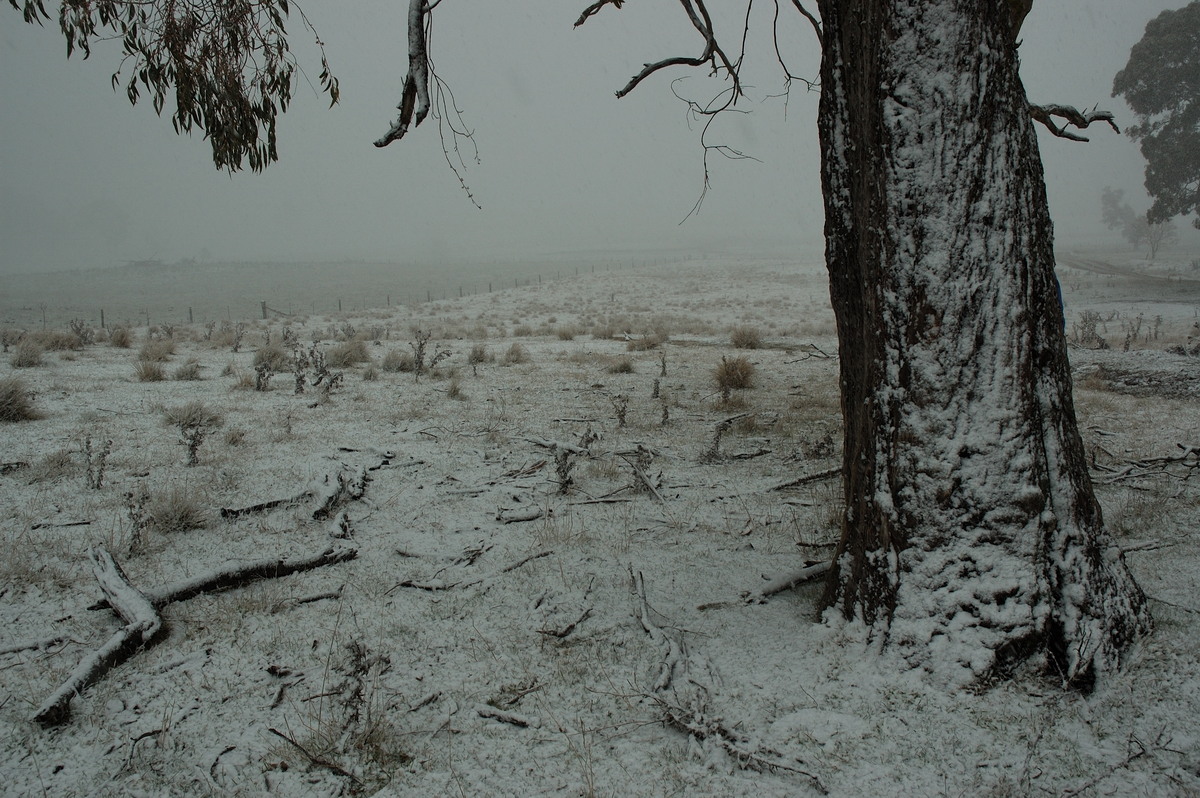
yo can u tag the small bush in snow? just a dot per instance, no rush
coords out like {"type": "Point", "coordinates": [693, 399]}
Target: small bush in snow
{"type": "Point", "coordinates": [26, 354]}
{"type": "Point", "coordinates": [120, 337]}
{"type": "Point", "coordinates": [16, 401]}
{"type": "Point", "coordinates": [745, 337]}
{"type": "Point", "coordinates": [516, 354]}
{"type": "Point", "coordinates": [174, 510]}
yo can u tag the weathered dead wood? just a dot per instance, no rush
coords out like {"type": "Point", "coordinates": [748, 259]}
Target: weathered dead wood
{"type": "Point", "coordinates": [749, 455]}
{"type": "Point", "coordinates": [701, 725]}
{"type": "Point", "coordinates": [331, 490]}
{"type": "Point", "coordinates": [1070, 116]}
{"type": "Point", "coordinates": [292, 603]}
{"type": "Point", "coordinates": [314, 759]}
{"type": "Point", "coordinates": [806, 479]}
{"type": "Point", "coordinates": [143, 626]}
{"type": "Point", "coordinates": [786, 582]}
{"type": "Point", "coordinates": [29, 645]}
{"type": "Point", "coordinates": [777, 585]}
{"type": "Point", "coordinates": [338, 489]}
{"type": "Point", "coordinates": [566, 630]}
{"type": "Point", "coordinates": [61, 525]}
{"type": "Point", "coordinates": [553, 445]}
{"type": "Point", "coordinates": [644, 479]}
{"type": "Point", "coordinates": [522, 721]}
{"type": "Point", "coordinates": [261, 507]}
{"type": "Point", "coordinates": [238, 575]}
{"type": "Point", "coordinates": [672, 653]}
{"type": "Point", "coordinates": [436, 585]}
{"type": "Point", "coordinates": [1167, 466]}
{"type": "Point", "coordinates": [519, 515]}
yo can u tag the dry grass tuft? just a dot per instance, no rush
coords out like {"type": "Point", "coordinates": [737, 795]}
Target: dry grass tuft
{"type": "Point", "coordinates": [120, 337]}
{"type": "Point", "coordinates": [273, 357]}
{"type": "Point", "coordinates": [516, 354]}
{"type": "Point", "coordinates": [149, 371]}
{"type": "Point", "coordinates": [52, 466]}
{"type": "Point", "coordinates": [26, 354]}
{"type": "Point", "coordinates": [189, 371]}
{"type": "Point", "coordinates": [621, 365]}
{"type": "Point", "coordinates": [734, 374]}
{"type": "Point", "coordinates": [348, 353]}
{"type": "Point", "coordinates": [745, 337]}
{"type": "Point", "coordinates": [397, 360]}
{"type": "Point", "coordinates": [158, 351]}
{"type": "Point", "coordinates": [16, 401]}
{"type": "Point", "coordinates": [175, 509]}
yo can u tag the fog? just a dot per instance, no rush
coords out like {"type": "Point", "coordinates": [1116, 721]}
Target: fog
{"type": "Point", "coordinates": [565, 166]}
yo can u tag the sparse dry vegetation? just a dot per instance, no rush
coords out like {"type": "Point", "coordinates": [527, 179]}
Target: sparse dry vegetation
{"type": "Point", "coordinates": [175, 509]}
{"type": "Point", "coordinates": [26, 354]}
{"type": "Point", "coordinates": [745, 337]}
{"type": "Point", "coordinates": [16, 401]}
{"type": "Point", "coordinates": [734, 374]}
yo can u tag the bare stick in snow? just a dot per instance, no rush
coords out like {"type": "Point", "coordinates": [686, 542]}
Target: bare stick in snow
{"type": "Point", "coordinates": [319, 761]}
{"type": "Point", "coordinates": [523, 721]}
{"type": "Point", "coordinates": [672, 653]}
{"type": "Point", "coordinates": [804, 480]}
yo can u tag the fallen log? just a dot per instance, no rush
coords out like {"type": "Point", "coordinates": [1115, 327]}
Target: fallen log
{"type": "Point", "coordinates": [786, 582]}
{"type": "Point", "coordinates": [143, 626]}
{"type": "Point", "coordinates": [238, 575]}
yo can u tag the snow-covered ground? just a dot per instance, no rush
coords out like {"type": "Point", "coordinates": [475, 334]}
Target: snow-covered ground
{"type": "Point", "coordinates": [600, 648]}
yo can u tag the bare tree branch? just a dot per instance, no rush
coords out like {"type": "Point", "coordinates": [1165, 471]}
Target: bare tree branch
{"type": "Point", "coordinates": [414, 100]}
{"type": "Point", "coordinates": [594, 9]}
{"type": "Point", "coordinates": [812, 19]}
{"type": "Point", "coordinates": [1072, 116]}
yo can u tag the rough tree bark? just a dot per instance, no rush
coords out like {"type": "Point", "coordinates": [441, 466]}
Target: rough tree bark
{"type": "Point", "coordinates": [972, 540]}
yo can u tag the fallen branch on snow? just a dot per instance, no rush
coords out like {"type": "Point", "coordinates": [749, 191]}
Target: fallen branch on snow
{"type": "Point", "coordinates": [143, 625]}
{"type": "Point", "coordinates": [807, 478]}
{"type": "Point", "coordinates": [436, 585]}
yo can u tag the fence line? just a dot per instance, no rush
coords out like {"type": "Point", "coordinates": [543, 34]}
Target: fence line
{"type": "Point", "coordinates": [43, 315]}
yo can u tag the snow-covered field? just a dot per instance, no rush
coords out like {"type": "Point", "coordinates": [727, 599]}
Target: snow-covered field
{"type": "Point", "coordinates": [601, 647]}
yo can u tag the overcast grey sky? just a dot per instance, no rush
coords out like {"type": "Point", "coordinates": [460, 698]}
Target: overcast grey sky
{"type": "Point", "coordinates": [85, 180]}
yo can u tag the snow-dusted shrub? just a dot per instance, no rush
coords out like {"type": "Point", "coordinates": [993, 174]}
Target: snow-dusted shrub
{"type": "Point", "coordinates": [395, 360]}
{"type": "Point", "coordinates": [175, 509]}
{"type": "Point", "coordinates": [149, 371]}
{"type": "Point", "coordinates": [480, 354]}
{"type": "Point", "coordinates": [621, 365]}
{"type": "Point", "coordinates": [190, 370]}
{"type": "Point", "coordinates": [516, 354]}
{"type": "Point", "coordinates": [745, 337]}
{"type": "Point", "coordinates": [734, 374]}
{"type": "Point", "coordinates": [194, 420]}
{"type": "Point", "coordinates": [120, 337]}
{"type": "Point", "coordinates": [26, 354]}
{"type": "Point", "coordinates": [157, 350]}
{"type": "Point", "coordinates": [274, 356]}
{"type": "Point", "coordinates": [347, 354]}
{"type": "Point", "coordinates": [16, 401]}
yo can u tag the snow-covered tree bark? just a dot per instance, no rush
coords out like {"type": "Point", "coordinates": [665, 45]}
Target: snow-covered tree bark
{"type": "Point", "coordinates": [972, 539]}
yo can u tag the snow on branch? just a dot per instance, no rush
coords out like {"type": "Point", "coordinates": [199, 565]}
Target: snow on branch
{"type": "Point", "coordinates": [1071, 116]}
{"type": "Point", "coordinates": [414, 100]}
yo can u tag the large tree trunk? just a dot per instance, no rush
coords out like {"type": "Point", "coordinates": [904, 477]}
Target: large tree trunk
{"type": "Point", "coordinates": [972, 539]}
